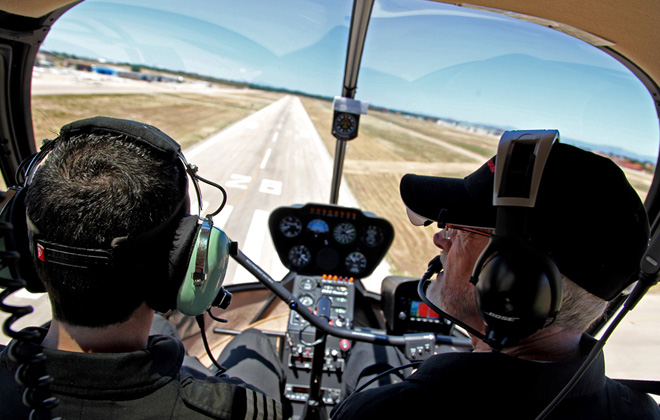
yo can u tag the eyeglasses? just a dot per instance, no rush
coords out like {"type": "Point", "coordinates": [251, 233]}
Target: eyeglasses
{"type": "Point", "coordinates": [449, 231]}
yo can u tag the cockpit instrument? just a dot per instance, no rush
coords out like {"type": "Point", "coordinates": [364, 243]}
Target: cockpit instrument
{"type": "Point", "coordinates": [335, 240]}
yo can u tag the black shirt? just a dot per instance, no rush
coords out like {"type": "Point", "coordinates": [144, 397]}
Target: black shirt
{"type": "Point", "coordinates": [494, 385]}
{"type": "Point", "coordinates": [136, 385]}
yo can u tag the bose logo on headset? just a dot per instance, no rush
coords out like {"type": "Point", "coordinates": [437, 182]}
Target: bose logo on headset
{"type": "Point", "coordinates": [201, 247]}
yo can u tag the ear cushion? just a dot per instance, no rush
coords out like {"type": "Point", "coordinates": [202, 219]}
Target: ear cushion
{"type": "Point", "coordinates": [195, 295]}
{"type": "Point", "coordinates": [18, 240]}
{"type": "Point", "coordinates": [517, 289]}
{"type": "Point", "coordinates": [162, 297]}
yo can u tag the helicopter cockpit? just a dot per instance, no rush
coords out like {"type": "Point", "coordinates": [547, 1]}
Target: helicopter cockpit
{"type": "Point", "coordinates": [306, 115]}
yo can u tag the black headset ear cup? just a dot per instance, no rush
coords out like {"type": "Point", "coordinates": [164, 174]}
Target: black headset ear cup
{"type": "Point", "coordinates": [18, 240]}
{"type": "Point", "coordinates": [163, 296]}
{"type": "Point", "coordinates": [518, 289]}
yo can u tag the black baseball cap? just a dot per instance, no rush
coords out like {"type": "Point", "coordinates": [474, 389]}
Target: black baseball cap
{"type": "Point", "coordinates": [587, 216]}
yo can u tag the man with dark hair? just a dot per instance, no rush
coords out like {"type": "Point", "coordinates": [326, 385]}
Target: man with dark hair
{"type": "Point", "coordinates": [93, 190]}
{"type": "Point", "coordinates": [593, 226]}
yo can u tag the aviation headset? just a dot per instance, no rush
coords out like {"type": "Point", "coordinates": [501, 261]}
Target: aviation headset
{"type": "Point", "coordinates": [518, 288]}
{"type": "Point", "coordinates": [200, 247]}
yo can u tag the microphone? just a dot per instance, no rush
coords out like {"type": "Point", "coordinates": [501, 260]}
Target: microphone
{"type": "Point", "coordinates": [434, 267]}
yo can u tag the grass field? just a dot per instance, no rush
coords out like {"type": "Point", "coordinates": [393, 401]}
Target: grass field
{"type": "Point", "coordinates": [187, 117]}
{"type": "Point", "coordinates": [387, 147]}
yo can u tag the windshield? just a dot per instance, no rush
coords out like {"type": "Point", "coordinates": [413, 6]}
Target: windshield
{"type": "Point", "coordinates": [247, 87]}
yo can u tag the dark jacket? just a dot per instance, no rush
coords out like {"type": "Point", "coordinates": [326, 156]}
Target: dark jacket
{"type": "Point", "coordinates": [494, 385]}
{"type": "Point", "coordinates": [137, 385]}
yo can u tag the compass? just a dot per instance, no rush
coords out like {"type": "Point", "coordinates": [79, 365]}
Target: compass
{"type": "Point", "coordinates": [345, 125]}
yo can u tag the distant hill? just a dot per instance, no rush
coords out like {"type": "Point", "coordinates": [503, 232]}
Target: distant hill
{"type": "Point", "coordinates": [612, 150]}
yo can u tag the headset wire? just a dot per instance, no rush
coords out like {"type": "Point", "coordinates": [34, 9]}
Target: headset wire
{"type": "Point", "coordinates": [31, 373]}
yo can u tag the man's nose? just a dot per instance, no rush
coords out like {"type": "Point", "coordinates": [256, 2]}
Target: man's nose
{"type": "Point", "coordinates": [441, 241]}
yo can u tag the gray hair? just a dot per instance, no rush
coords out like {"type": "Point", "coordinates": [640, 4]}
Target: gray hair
{"type": "Point", "coordinates": [579, 308]}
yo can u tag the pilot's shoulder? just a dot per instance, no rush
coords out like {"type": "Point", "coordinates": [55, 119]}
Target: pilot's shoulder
{"type": "Point", "coordinates": [630, 402]}
{"type": "Point", "coordinates": [389, 401]}
{"type": "Point", "coordinates": [224, 399]}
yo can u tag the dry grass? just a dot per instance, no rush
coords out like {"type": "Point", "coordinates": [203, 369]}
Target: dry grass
{"type": "Point", "coordinates": [187, 117]}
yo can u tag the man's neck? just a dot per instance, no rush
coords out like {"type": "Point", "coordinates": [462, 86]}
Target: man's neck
{"type": "Point", "coordinates": [127, 336]}
{"type": "Point", "coordinates": [551, 344]}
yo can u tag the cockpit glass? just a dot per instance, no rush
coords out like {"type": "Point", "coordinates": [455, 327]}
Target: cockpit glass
{"type": "Point", "coordinates": [247, 88]}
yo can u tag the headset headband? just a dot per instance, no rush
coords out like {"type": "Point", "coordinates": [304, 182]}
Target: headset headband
{"type": "Point", "coordinates": [142, 134]}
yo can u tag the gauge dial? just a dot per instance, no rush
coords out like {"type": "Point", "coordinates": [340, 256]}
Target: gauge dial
{"type": "Point", "coordinates": [307, 283]}
{"type": "Point", "coordinates": [306, 300]}
{"type": "Point", "coordinates": [318, 226]}
{"type": "Point", "coordinates": [344, 233]}
{"type": "Point", "coordinates": [345, 124]}
{"type": "Point", "coordinates": [290, 226]}
{"type": "Point", "coordinates": [372, 236]}
{"type": "Point", "coordinates": [300, 256]}
{"type": "Point", "coordinates": [356, 262]}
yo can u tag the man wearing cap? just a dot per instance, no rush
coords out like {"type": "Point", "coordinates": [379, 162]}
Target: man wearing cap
{"type": "Point", "coordinates": [593, 226]}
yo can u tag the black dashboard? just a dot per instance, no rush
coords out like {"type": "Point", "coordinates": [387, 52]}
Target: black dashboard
{"type": "Point", "coordinates": [316, 239]}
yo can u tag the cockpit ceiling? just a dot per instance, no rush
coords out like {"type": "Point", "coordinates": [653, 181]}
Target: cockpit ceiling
{"type": "Point", "coordinates": [627, 27]}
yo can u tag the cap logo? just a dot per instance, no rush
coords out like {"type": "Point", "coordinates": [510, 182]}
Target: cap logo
{"type": "Point", "coordinates": [491, 165]}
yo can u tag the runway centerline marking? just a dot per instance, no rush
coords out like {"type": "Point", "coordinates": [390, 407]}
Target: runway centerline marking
{"type": "Point", "coordinates": [253, 246]}
{"type": "Point", "coordinates": [264, 161]}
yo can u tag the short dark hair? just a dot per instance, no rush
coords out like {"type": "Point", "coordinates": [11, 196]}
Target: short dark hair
{"type": "Point", "coordinates": [90, 189]}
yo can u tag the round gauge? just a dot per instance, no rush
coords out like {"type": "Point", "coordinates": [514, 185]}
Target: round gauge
{"type": "Point", "coordinates": [300, 256]}
{"type": "Point", "coordinates": [344, 233]}
{"type": "Point", "coordinates": [318, 226]}
{"type": "Point", "coordinates": [306, 300]}
{"type": "Point", "coordinates": [345, 124]}
{"type": "Point", "coordinates": [356, 262]}
{"type": "Point", "coordinates": [307, 283]}
{"type": "Point", "coordinates": [290, 226]}
{"type": "Point", "coordinates": [372, 236]}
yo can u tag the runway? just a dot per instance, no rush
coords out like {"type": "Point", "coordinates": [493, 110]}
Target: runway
{"type": "Point", "coordinates": [273, 158]}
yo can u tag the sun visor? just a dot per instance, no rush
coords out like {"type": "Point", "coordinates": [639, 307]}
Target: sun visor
{"type": "Point", "coordinates": [416, 219]}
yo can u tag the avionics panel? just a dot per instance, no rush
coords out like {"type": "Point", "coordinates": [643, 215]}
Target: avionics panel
{"type": "Point", "coordinates": [319, 238]}
{"type": "Point", "coordinates": [299, 351]}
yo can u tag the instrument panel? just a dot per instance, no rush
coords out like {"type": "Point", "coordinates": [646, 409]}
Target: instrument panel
{"type": "Point", "coordinates": [315, 239]}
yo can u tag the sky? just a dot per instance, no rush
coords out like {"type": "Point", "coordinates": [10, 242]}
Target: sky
{"type": "Point", "coordinates": [422, 57]}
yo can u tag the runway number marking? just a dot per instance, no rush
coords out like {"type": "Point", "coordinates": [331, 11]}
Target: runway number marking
{"type": "Point", "coordinates": [268, 186]}
{"type": "Point", "coordinates": [238, 181]}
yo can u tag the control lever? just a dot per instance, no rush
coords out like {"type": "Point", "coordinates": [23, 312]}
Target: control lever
{"type": "Point", "coordinates": [315, 408]}
{"type": "Point", "coordinates": [350, 334]}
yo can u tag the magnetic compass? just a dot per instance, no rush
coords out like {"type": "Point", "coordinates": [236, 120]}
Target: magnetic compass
{"type": "Point", "coordinates": [345, 125]}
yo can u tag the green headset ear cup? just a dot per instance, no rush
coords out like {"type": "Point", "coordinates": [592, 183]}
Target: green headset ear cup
{"type": "Point", "coordinates": [196, 297]}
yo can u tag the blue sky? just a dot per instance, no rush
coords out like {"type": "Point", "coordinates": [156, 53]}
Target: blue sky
{"type": "Point", "coordinates": [424, 57]}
